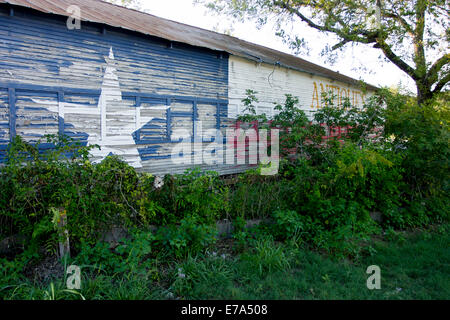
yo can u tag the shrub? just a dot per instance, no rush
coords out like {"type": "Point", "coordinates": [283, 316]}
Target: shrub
{"type": "Point", "coordinates": [256, 196]}
{"type": "Point", "coordinates": [364, 175]}
{"type": "Point", "coordinates": [189, 237]}
{"type": "Point", "coordinates": [323, 197]}
{"type": "Point", "coordinates": [132, 256]}
{"type": "Point", "coordinates": [194, 193]}
{"type": "Point", "coordinates": [293, 124]}
{"type": "Point", "coordinates": [421, 134]}
{"type": "Point", "coordinates": [35, 184]}
{"type": "Point", "coordinates": [288, 224]}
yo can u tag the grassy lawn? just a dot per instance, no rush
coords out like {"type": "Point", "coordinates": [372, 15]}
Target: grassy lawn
{"type": "Point", "coordinates": [413, 266]}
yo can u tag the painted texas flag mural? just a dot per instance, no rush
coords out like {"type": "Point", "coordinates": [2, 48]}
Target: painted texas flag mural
{"type": "Point", "coordinates": [113, 140]}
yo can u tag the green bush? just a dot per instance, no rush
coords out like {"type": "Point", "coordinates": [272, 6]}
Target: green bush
{"type": "Point", "coordinates": [288, 224]}
{"type": "Point", "coordinates": [132, 255]}
{"type": "Point", "coordinates": [256, 196]}
{"type": "Point", "coordinates": [94, 197]}
{"type": "Point", "coordinates": [422, 135]}
{"type": "Point", "coordinates": [365, 175]}
{"type": "Point", "coordinates": [195, 193]}
{"type": "Point", "coordinates": [40, 187]}
{"type": "Point", "coordinates": [189, 237]}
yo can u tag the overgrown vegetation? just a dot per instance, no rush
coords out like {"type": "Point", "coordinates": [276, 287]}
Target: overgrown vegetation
{"type": "Point", "coordinates": [385, 172]}
{"type": "Point", "coordinates": [413, 266]}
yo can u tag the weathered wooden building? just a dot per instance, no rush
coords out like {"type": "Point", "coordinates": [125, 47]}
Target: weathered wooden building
{"type": "Point", "coordinates": [127, 80]}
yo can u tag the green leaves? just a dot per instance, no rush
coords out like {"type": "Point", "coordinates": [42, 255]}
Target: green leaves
{"type": "Point", "coordinates": [249, 113]}
{"type": "Point", "coordinates": [407, 33]}
{"type": "Point", "coordinates": [190, 237]}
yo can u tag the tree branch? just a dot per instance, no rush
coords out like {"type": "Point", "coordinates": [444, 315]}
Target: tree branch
{"type": "Point", "coordinates": [340, 44]}
{"type": "Point", "coordinates": [396, 59]}
{"type": "Point", "coordinates": [439, 63]}
{"type": "Point", "coordinates": [400, 19]}
{"type": "Point", "coordinates": [350, 33]}
{"type": "Point", "coordinates": [440, 85]}
{"type": "Point", "coordinates": [367, 36]}
{"type": "Point", "coordinates": [311, 23]}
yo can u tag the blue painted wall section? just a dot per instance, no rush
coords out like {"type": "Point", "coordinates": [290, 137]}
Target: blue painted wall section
{"type": "Point", "coordinates": [92, 85]}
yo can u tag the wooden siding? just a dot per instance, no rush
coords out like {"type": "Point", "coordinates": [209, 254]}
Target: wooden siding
{"type": "Point", "coordinates": [272, 83]}
{"type": "Point", "coordinates": [126, 92]}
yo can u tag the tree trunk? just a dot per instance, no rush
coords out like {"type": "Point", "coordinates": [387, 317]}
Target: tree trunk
{"type": "Point", "coordinates": [423, 93]}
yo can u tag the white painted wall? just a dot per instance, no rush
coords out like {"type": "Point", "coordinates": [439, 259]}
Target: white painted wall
{"type": "Point", "coordinates": [272, 83]}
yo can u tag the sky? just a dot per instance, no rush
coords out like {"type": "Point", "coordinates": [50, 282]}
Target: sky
{"type": "Point", "coordinates": [359, 63]}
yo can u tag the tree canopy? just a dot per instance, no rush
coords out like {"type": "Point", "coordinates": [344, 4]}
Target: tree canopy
{"type": "Point", "coordinates": [412, 34]}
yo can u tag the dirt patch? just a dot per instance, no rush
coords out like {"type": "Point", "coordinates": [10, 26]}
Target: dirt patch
{"type": "Point", "coordinates": [48, 269]}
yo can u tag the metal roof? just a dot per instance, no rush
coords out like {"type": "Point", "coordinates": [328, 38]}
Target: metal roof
{"type": "Point", "coordinates": [116, 16]}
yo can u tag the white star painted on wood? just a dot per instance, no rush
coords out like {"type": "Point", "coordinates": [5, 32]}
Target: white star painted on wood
{"type": "Point", "coordinates": [118, 141]}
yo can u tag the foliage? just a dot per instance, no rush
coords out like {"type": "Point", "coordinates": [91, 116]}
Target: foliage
{"type": "Point", "coordinates": [249, 113]}
{"type": "Point", "coordinates": [199, 271]}
{"type": "Point", "coordinates": [406, 33]}
{"type": "Point", "coordinates": [361, 124]}
{"type": "Point", "coordinates": [365, 175]}
{"type": "Point", "coordinates": [190, 237]}
{"type": "Point", "coordinates": [94, 197]}
{"type": "Point", "coordinates": [256, 196]}
{"type": "Point", "coordinates": [132, 256]}
{"type": "Point", "coordinates": [322, 200]}
{"type": "Point", "coordinates": [193, 193]}
{"type": "Point", "coordinates": [422, 135]}
{"type": "Point", "coordinates": [288, 224]}
{"type": "Point", "coordinates": [293, 124]}
{"type": "Point", "coordinates": [265, 257]}
{"type": "Point", "coordinates": [312, 138]}
{"type": "Point", "coordinates": [413, 268]}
